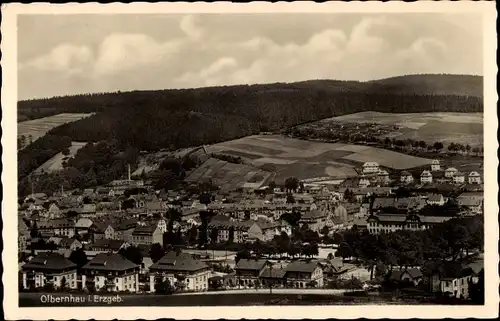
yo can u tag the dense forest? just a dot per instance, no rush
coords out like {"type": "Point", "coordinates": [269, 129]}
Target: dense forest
{"type": "Point", "coordinates": [172, 119]}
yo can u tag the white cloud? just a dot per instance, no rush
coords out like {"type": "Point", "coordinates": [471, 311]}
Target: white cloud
{"type": "Point", "coordinates": [119, 52]}
{"type": "Point", "coordinates": [189, 25]}
{"type": "Point", "coordinates": [208, 76]}
{"type": "Point", "coordinates": [65, 57]}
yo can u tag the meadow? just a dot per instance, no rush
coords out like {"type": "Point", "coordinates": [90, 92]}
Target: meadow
{"type": "Point", "coordinates": [303, 159]}
{"type": "Point", "coordinates": [463, 128]}
{"type": "Point", "coordinates": [56, 162]}
{"type": "Point", "coordinates": [39, 127]}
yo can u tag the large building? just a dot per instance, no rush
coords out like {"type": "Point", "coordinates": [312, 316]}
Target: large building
{"type": "Point", "coordinates": [182, 270]}
{"type": "Point", "coordinates": [370, 167]}
{"type": "Point", "coordinates": [386, 223]}
{"type": "Point", "coordinates": [49, 268]}
{"type": "Point", "coordinates": [248, 271]}
{"type": "Point", "coordinates": [425, 177]}
{"type": "Point", "coordinates": [301, 274]}
{"type": "Point", "coordinates": [112, 272]}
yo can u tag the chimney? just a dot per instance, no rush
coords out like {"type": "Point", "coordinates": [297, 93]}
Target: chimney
{"type": "Point", "coordinates": [129, 173]}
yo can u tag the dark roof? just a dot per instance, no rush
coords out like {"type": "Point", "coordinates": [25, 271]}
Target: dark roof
{"type": "Point", "coordinates": [58, 223]}
{"type": "Point", "coordinates": [109, 262]}
{"type": "Point", "coordinates": [107, 244]}
{"type": "Point", "coordinates": [313, 215]}
{"type": "Point", "coordinates": [144, 230]}
{"type": "Point", "coordinates": [301, 266]}
{"type": "Point", "coordinates": [49, 261]}
{"type": "Point", "coordinates": [413, 272]}
{"type": "Point", "coordinates": [249, 264]}
{"type": "Point", "coordinates": [181, 262]}
{"type": "Point", "coordinates": [272, 273]}
{"type": "Point", "coordinates": [66, 242]}
{"type": "Point", "coordinates": [434, 197]}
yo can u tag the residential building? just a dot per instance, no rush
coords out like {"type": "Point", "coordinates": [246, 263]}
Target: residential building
{"type": "Point", "coordinates": [425, 177]}
{"type": "Point", "coordinates": [435, 199]}
{"type": "Point", "coordinates": [274, 277]}
{"type": "Point", "coordinates": [71, 244]}
{"type": "Point", "coordinates": [57, 227]}
{"type": "Point", "coordinates": [302, 274]}
{"type": "Point", "coordinates": [383, 177]}
{"type": "Point", "coordinates": [182, 270]}
{"type": "Point", "coordinates": [49, 268]}
{"type": "Point", "coordinates": [147, 235]}
{"type": "Point", "coordinates": [450, 172]}
{"type": "Point", "coordinates": [413, 275]}
{"type": "Point", "coordinates": [455, 283]}
{"type": "Point", "coordinates": [82, 226]}
{"type": "Point", "coordinates": [266, 230]}
{"type": "Point", "coordinates": [106, 245]}
{"type": "Point", "coordinates": [227, 227]}
{"type": "Point", "coordinates": [315, 220]}
{"type": "Point", "coordinates": [363, 182]}
{"type": "Point", "coordinates": [370, 167]}
{"type": "Point", "coordinates": [459, 178]}
{"type": "Point", "coordinates": [435, 166]}
{"type": "Point", "coordinates": [346, 211]}
{"type": "Point", "coordinates": [112, 271]}
{"type": "Point", "coordinates": [474, 178]}
{"type": "Point", "coordinates": [248, 271]}
{"type": "Point", "coordinates": [386, 223]}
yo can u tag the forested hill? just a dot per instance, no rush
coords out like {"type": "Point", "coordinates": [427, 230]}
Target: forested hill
{"type": "Point", "coordinates": [151, 120]}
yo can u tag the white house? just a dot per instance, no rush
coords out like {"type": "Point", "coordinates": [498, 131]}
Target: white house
{"type": "Point", "coordinates": [474, 178]}
{"type": "Point", "coordinates": [426, 177]}
{"type": "Point", "coordinates": [370, 167]}
{"type": "Point", "coordinates": [435, 165]}
{"type": "Point", "coordinates": [459, 178]}
{"type": "Point", "coordinates": [363, 182]}
{"type": "Point", "coordinates": [450, 172]}
{"type": "Point", "coordinates": [383, 177]}
{"type": "Point", "coordinates": [406, 177]}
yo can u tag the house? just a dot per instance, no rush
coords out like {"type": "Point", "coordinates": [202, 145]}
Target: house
{"type": "Point", "coordinates": [82, 226]}
{"type": "Point", "coordinates": [302, 274]}
{"type": "Point", "coordinates": [315, 220]}
{"type": "Point", "coordinates": [239, 230]}
{"type": "Point", "coordinates": [334, 222]}
{"type": "Point", "coordinates": [182, 270]}
{"type": "Point", "coordinates": [412, 275]}
{"type": "Point", "coordinates": [383, 177]}
{"type": "Point", "coordinates": [473, 205]}
{"type": "Point", "coordinates": [435, 165]}
{"type": "Point", "coordinates": [125, 229]}
{"type": "Point", "coordinates": [248, 271]}
{"type": "Point", "coordinates": [104, 230]}
{"type": "Point", "coordinates": [54, 211]}
{"type": "Point", "coordinates": [474, 178]}
{"type": "Point", "coordinates": [57, 227]}
{"type": "Point", "coordinates": [106, 245]}
{"type": "Point", "coordinates": [346, 211]}
{"type": "Point", "coordinates": [435, 199]}
{"type": "Point", "coordinates": [70, 244]}
{"type": "Point", "coordinates": [147, 235]}
{"type": "Point", "coordinates": [370, 168]}
{"type": "Point", "coordinates": [453, 280]}
{"type": "Point", "coordinates": [270, 276]}
{"type": "Point", "coordinates": [363, 182]}
{"type": "Point", "coordinates": [425, 177]}
{"type": "Point", "coordinates": [450, 172]}
{"type": "Point", "coordinates": [386, 223]}
{"type": "Point", "coordinates": [266, 230]}
{"type": "Point", "coordinates": [111, 271]}
{"type": "Point", "coordinates": [49, 268]}
{"type": "Point", "coordinates": [23, 235]}
{"type": "Point", "coordinates": [459, 178]}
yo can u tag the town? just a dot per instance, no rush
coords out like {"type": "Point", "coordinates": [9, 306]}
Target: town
{"type": "Point", "coordinates": [419, 234]}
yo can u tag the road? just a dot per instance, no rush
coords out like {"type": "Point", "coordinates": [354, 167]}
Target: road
{"type": "Point", "coordinates": [275, 291]}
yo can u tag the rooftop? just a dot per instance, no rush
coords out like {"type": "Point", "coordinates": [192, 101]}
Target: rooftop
{"type": "Point", "coordinates": [109, 262]}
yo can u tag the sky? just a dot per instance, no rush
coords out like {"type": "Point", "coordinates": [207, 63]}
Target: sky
{"type": "Point", "coordinates": [72, 54]}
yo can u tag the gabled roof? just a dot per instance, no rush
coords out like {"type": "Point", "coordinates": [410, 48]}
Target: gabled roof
{"type": "Point", "coordinates": [49, 261]}
{"type": "Point", "coordinates": [451, 169]}
{"type": "Point", "coordinates": [180, 262]}
{"type": "Point", "coordinates": [474, 174]}
{"type": "Point", "coordinates": [301, 266]}
{"type": "Point", "coordinates": [114, 245]}
{"type": "Point", "coordinates": [314, 214]}
{"type": "Point", "coordinates": [434, 197]}
{"type": "Point", "coordinates": [109, 262]}
{"type": "Point", "coordinates": [250, 264]}
{"type": "Point", "coordinates": [83, 223]}
{"type": "Point", "coordinates": [275, 273]}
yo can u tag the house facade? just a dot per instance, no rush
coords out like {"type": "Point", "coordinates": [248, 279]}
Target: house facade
{"type": "Point", "coordinates": [370, 167]}
{"type": "Point", "coordinates": [426, 177]}
{"type": "Point", "coordinates": [111, 271]}
{"type": "Point", "coordinates": [49, 268]}
{"type": "Point", "coordinates": [474, 178]}
{"type": "Point", "coordinates": [301, 274]}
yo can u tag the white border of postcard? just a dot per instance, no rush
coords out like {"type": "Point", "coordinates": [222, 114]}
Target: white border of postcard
{"type": "Point", "coordinates": [9, 174]}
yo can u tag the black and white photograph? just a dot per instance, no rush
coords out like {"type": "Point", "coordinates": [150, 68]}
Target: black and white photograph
{"type": "Point", "coordinates": [230, 158]}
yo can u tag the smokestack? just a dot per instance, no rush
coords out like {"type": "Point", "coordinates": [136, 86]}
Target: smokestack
{"type": "Point", "coordinates": [129, 173]}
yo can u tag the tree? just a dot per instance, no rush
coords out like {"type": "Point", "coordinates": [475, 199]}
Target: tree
{"type": "Point", "coordinates": [231, 235]}
{"type": "Point", "coordinates": [163, 287]}
{"type": "Point", "coordinates": [291, 184]}
{"type": "Point", "coordinates": [205, 198]}
{"type": "Point", "coordinates": [66, 152]}
{"type": "Point", "coordinates": [242, 254]}
{"type": "Point", "coordinates": [79, 258]}
{"type": "Point", "coordinates": [131, 253]}
{"type": "Point", "coordinates": [272, 186]}
{"type": "Point", "coordinates": [476, 291]}
{"type": "Point", "coordinates": [193, 235]}
{"type": "Point", "coordinates": [325, 230]}
{"type": "Point", "coordinates": [290, 199]}
{"type": "Point", "coordinates": [34, 231]}
{"type": "Point", "coordinates": [156, 252]}
{"type": "Point", "coordinates": [63, 285]}
{"type": "Point", "coordinates": [438, 146]}
{"type": "Point", "coordinates": [214, 235]}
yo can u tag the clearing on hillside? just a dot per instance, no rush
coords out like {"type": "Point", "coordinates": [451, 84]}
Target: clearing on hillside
{"type": "Point", "coordinates": [56, 162]}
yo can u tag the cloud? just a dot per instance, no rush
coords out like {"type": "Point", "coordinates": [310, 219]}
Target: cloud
{"type": "Point", "coordinates": [65, 57]}
{"type": "Point", "coordinates": [189, 24]}
{"type": "Point", "coordinates": [120, 52]}
{"type": "Point", "coordinates": [371, 47]}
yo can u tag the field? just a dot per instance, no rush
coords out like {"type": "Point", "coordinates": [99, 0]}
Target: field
{"type": "Point", "coordinates": [464, 128]}
{"type": "Point", "coordinates": [38, 127]}
{"type": "Point", "coordinates": [55, 163]}
{"type": "Point", "coordinates": [229, 176]}
{"type": "Point", "coordinates": [307, 159]}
